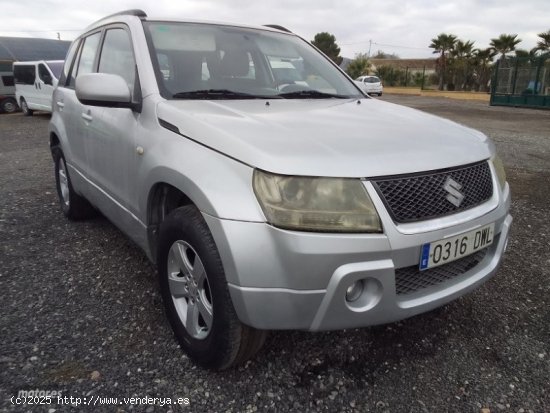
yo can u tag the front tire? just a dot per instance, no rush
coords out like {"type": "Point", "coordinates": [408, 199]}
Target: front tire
{"type": "Point", "coordinates": [25, 108]}
{"type": "Point", "coordinates": [74, 206]}
{"type": "Point", "coordinates": [196, 297]}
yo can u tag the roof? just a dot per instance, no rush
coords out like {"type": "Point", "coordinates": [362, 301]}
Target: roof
{"type": "Point", "coordinates": [128, 15]}
{"type": "Point", "coordinates": [28, 48]}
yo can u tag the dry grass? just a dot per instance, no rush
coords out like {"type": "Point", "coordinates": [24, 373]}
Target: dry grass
{"type": "Point", "coordinates": [434, 93]}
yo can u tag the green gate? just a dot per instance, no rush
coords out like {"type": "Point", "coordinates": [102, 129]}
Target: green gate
{"type": "Point", "coordinates": [522, 81]}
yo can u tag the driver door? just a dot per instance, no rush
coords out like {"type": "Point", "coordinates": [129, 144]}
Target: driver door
{"type": "Point", "coordinates": [111, 147]}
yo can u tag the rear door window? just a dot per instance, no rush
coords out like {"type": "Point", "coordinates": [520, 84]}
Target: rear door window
{"type": "Point", "coordinates": [69, 62]}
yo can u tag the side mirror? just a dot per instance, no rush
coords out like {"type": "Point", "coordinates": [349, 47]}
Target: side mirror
{"type": "Point", "coordinates": [103, 89]}
{"type": "Point", "coordinates": [48, 80]}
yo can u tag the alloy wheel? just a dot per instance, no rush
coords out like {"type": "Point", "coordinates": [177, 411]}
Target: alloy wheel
{"type": "Point", "coordinates": [63, 182]}
{"type": "Point", "coordinates": [190, 290]}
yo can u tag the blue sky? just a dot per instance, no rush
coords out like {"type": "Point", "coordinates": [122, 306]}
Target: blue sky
{"type": "Point", "coordinates": [394, 26]}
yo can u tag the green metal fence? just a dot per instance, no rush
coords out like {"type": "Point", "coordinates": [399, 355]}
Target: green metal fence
{"type": "Point", "coordinates": [521, 82]}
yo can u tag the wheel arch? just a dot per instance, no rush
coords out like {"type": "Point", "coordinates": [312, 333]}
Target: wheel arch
{"type": "Point", "coordinates": [220, 190]}
{"type": "Point", "coordinates": [163, 197]}
{"type": "Point", "coordinates": [54, 140]}
{"type": "Point", "coordinates": [58, 136]}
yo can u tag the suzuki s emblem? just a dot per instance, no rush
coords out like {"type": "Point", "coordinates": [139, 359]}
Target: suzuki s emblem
{"type": "Point", "coordinates": [455, 197]}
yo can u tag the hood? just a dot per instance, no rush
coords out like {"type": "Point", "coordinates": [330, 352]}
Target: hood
{"type": "Point", "coordinates": [327, 137]}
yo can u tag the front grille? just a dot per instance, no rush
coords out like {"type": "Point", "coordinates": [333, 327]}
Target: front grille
{"type": "Point", "coordinates": [417, 197]}
{"type": "Point", "coordinates": [410, 279]}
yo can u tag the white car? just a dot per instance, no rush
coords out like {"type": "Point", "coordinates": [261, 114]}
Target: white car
{"type": "Point", "coordinates": [371, 85]}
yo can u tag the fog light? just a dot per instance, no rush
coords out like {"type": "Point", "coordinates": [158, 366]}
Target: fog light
{"type": "Point", "coordinates": [354, 291]}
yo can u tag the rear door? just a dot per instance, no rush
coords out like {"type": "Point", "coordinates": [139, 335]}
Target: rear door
{"type": "Point", "coordinates": [76, 116]}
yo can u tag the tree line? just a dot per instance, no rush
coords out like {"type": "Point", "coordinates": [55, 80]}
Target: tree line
{"type": "Point", "coordinates": [459, 65]}
{"type": "Point", "coordinates": [462, 66]}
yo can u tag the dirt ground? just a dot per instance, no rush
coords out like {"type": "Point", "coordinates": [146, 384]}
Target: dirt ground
{"type": "Point", "coordinates": [80, 310]}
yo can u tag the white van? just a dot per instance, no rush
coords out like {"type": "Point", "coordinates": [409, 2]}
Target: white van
{"type": "Point", "coordinates": [34, 84]}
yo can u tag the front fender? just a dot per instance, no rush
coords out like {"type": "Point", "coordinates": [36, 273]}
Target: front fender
{"type": "Point", "coordinates": [218, 185]}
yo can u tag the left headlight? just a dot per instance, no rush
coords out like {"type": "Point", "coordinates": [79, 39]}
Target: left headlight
{"type": "Point", "coordinates": [316, 204]}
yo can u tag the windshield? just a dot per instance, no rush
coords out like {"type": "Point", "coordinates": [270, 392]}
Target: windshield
{"type": "Point", "coordinates": [56, 68]}
{"type": "Point", "coordinates": [206, 61]}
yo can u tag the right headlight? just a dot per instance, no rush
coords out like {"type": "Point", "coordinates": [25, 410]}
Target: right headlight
{"type": "Point", "coordinates": [499, 170]}
{"type": "Point", "coordinates": [316, 204]}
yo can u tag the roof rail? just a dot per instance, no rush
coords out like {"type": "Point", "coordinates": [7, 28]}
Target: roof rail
{"type": "Point", "coordinates": [278, 27]}
{"type": "Point", "coordinates": [133, 12]}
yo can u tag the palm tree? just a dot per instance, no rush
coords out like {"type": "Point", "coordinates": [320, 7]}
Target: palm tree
{"type": "Point", "coordinates": [463, 52]}
{"type": "Point", "coordinates": [443, 44]}
{"type": "Point", "coordinates": [526, 54]}
{"type": "Point", "coordinates": [463, 49]}
{"type": "Point", "coordinates": [505, 43]}
{"type": "Point", "coordinates": [482, 59]}
{"type": "Point", "coordinates": [543, 45]}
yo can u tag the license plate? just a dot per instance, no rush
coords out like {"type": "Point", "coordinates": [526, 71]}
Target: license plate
{"type": "Point", "coordinates": [441, 252]}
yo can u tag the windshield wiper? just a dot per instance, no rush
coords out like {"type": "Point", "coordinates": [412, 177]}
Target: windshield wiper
{"type": "Point", "coordinates": [311, 94]}
{"type": "Point", "coordinates": [219, 94]}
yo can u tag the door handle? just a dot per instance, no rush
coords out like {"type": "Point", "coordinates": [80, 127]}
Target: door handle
{"type": "Point", "coordinates": [60, 104]}
{"type": "Point", "coordinates": [87, 117]}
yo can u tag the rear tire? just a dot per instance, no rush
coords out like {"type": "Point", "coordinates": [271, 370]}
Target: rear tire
{"type": "Point", "coordinates": [74, 206]}
{"type": "Point", "coordinates": [25, 108]}
{"type": "Point", "coordinates": [9, 105]}
{"type": "Point", "coordinates": [196, 297]}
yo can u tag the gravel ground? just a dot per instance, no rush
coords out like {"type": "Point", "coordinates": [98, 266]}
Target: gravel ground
{"type": "Point", "coordinates": [81, 312]}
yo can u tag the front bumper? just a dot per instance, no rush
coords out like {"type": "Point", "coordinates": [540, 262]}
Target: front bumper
{"type": "Point", "coordinates": [282, 279]}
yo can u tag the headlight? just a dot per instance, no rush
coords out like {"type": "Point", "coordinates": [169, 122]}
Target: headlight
{"type": "Point", "coordinates": [499, 170]}
{"type": "Point", "coordinates": [316, 204]}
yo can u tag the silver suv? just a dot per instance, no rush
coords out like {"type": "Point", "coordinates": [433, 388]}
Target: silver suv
{"type": "Point", "coordinates": [269, 202]}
